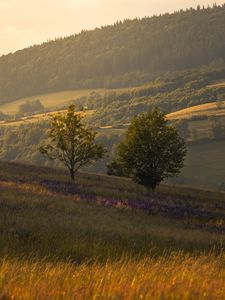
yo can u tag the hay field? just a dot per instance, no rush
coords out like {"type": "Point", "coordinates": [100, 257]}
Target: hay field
{"type": "Point", "coordinates": [208, 109]}
{"type": "Point", "coordinates": [39, 118]}
{"type": "Point", "coordinates": [218, 83]}
{"type": "Point", "coordinates": [52, 100]}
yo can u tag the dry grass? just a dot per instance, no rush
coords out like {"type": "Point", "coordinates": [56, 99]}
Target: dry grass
{"type": "Point", "coordinates": [218, 83]}
{"type": "Point", "coordinates": [176, 276]}
{"type": "Point", "coordinates": [52, 100]}
{"type": "Point", "coordinates": [208, 109]}
{"type": "Point", "coordinates": [83, 241]}
{"type": "Point", "coordinates": [39, 118]}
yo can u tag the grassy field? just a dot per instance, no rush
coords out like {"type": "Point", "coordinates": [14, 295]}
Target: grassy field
{"type": "Point", "coordinates": [39, 118]}
{"type": "Point", "coordinates": [204, 166]}
{"type": "Point", "coordinates": [218, 83]}
{"type": "Point", "coordinates": [53, 101]}
{"type": "Point", "coordinates": [107, 238]}
{"type": "Point", "coordinates": [208, 109]}
{"type": "Point", "coordinates": [50, 101]}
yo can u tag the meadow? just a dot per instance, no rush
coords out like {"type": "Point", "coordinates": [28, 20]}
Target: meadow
{"type": "Point", "coordinates": [217, 83]}
{"type": "Point", "coordinates": [36, 118]}
{"type": "Point", "coordinates": [204, 166]}
{"type": "Point", "coordinates": [107, 238]}
{"type": "Point", "coordinates": [207, 109]}
{"type": "Point", "coordinates": [50, 101]}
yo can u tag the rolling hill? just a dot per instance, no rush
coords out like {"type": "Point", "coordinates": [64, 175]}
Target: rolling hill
{"type": "Point", "coordinates": [170, 93]}
{"type": "Point", "coordinates": [204, 166]}
{"type": "Point", "coordinates": [63, 99]}
{"type": "Point", "coordinates": [107, 238]}
{"type": "Point", "coordinates": [128, 53]}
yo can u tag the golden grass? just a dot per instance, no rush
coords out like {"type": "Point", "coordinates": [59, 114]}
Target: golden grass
{"type": "Point", "coordinates": [39, 118]}
{"type": "Point", "coordinates": [50, 100]}
{"type": "Point", "coordinates": [176, 276]}
{"type": "Point", "coordinates": [218, 83]}
{"type": "Point", "coordinates": [207, 109]}
{"type": "Point", "coordinates": [55, 245]}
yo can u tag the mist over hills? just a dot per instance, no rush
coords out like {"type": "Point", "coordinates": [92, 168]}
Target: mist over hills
{"type": "Point", "coordinates": [128, 53]}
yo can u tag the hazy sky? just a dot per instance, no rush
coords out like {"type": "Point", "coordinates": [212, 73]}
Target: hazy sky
{"type": "Point", "coordinates": [25, 22]}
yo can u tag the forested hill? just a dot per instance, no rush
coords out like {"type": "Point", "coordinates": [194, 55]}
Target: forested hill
{"type": "Point", "coordinates": [125, 54]}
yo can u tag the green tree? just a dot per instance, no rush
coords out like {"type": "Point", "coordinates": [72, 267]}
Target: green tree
{"type": "Point", "coordinates": [151, 151]}
{"type": "Point", "coordinates": [71, 142]}
{"type": "Point", "coordinates": [31, 106]}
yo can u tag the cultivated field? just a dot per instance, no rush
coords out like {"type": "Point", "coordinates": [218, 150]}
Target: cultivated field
{"type": "Point", "coordinates": [208, 109]}
{"type": "Point", "coordinates": [218, 83]}
{"type": "Point", "coordinates": [50, 101]}
{"type": "Point", "coordinates": [53, 101]}
{"type": "Point", "coordinates": [107, 238]}
{"type": "Point", "coordinates": [40, 118]}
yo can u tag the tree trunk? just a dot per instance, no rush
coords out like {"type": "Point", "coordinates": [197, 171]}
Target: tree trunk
{"type": "Point", "coordinates": [72, 174]}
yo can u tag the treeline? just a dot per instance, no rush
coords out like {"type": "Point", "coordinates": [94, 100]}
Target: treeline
{"type": "Point", "coordinates": [128, 53]}
{"type": "Point", "coordinates": [31, 107]}
{"type": "Point", "coordinates": [25, 109]}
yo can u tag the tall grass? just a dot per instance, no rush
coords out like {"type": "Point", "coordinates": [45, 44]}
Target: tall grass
{"type": "Point", "coordinates": [177, 276]}
{"type": "Point", "coordinates": [89, 241]}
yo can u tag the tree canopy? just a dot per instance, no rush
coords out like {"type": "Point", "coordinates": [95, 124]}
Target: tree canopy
{"type": "Point", "coordinates": [151, 151]}
{"type": "Point", "coordinates": [71, 142]}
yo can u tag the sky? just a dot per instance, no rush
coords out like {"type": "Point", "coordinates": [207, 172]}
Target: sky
{"type": "Point", "coordinates": [27, 22]}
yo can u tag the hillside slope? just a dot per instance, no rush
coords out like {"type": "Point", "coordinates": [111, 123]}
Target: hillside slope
{"type": "Point", "coordinates": [52, 101]}
{"type": "Point", "coordinates": [127, 54]}
{"type": "Point", "coordinates": [106, 238]}
{"type": "Point", "coordinates": [207, 109]}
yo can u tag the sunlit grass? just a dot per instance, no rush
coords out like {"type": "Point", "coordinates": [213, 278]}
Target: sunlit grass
{"type": "Point", "coordinates": [90, 244]}
{"type": "Point", "coordinates": [176, 276]}
{"type": "Point", "coordinates": [51, 100]}
{"type": "Point", "coordinates": [207, 109]}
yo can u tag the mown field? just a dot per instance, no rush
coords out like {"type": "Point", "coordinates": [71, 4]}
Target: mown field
{"type": "Point", "coordinates": [50, 101]}
{"type": "Point", "coordinates": [208, 109]}
{"type": "Point", "coordinates": [40, 118]}
{"type": "Point", "coordinates": [217, 83]}
{"type": "Point", "coordinates": [107, 238]}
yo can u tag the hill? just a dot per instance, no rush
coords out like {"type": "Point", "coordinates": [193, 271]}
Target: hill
{"type": "Point", "coordinates": [107, 238]}
{"type": "Point", "coordinates": [201, 126]}
{"type": "Point", "coordinates": [63, 99]}
{"type": "Point", "coordinates": [113, 107]}
{"type": "Point", "coordinates": [128, 53]}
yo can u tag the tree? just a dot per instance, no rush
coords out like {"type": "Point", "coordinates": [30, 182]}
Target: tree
{"type": "Point", "coordinates": [31, 106]}
{"type": "Point", "coordinates": [71, 142]}
{"type": "Point", "coordinates": [151, 151]}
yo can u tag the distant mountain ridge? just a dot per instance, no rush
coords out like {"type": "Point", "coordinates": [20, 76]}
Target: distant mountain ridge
{"type": "Point", "coordinates": [125, 54]}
